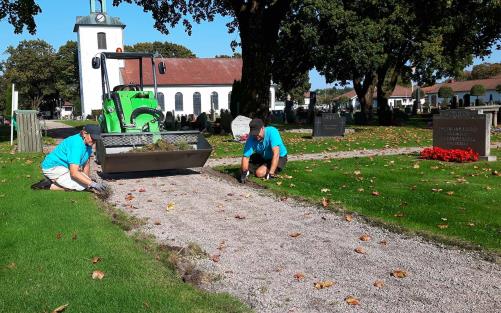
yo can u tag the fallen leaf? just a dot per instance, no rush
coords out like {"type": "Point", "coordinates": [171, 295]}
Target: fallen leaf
{"type": "Point", "coordinates": [436, 189]}
{"type": "Point", "coordinates": [351, 300]}
{"type": "Point", "coordinates": [292, 185]}
{"type": "Point", "coordinates": [399, 214]}
{"type": "Point", "coordinates": [215, 258]}
{"type": "Point", "coordinates": [28, 162]}
{"type": "Point", "coordinates": [74, 236]}
{"type": "Point", "coordinates": [360, 250]}
{"type": "Point", "coordinates": [450, 193]}
{"type": "Point", "coordinates": [325, 202]}
{"type": "Point", "coordinates": [470, 224]}
{"type": "Point", "coordinates": [247, 195]}
{"type": "Point", "coordinates": [129, 197]}
{"type": "Point", "coordinates": [442, 226]}
{"type": "Point", "coordinates": [279, 183]}
{"type": "Point", "coordinates": [357, 173]}
{"type": "Point", "coordinates": [157, 222]}
{"type": "Point", "coordinates": [295, 234]}
{"type": "Point", "coordinates": [383, 242]}
{"type": "Point", "coordinates": [323, 284]}
{"type": "Point", "coordinates": [142, 190]}
{"type": "Point", "coordinates": [360, 190]}
{"type": "Point", "coordinates": [399, 274]}
{"type": "Point", "coordinates": [379, 283]}
{"type": "Point", "coordinates": [496, 173]}
{"type": "Point", "coordinates": [12, 266]}
{"type": "Point", "coordinates": [96, 260]}
{"type": "Point", "coordinates": [299, 276]}
{"type": "Point", "coordinates": [325, 190]}
{"type": "Point", "coordinates": [348, 217]}
{"type": "Point", "coordinates": [415, 165]}
{"type": "Point", "coordinates": [97, 275]}
{"type": "Point", "coordinates": [60, 309]}
{"type": "Point", "coordinates": [365, 237]}
{"type": "Point", "coordinates": [240, 217]}
{"type": "Point", "coordinates": [59, 236]}
{"type": "Point", "coordinates": [375, 193]}
{"type": "Point", "coordinates": [170, 206]}
{"type": "Point", "coordinates": [230, 194]}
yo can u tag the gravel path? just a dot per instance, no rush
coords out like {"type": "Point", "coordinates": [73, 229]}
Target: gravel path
{"type": "Point", "coordinates": [247, 234]}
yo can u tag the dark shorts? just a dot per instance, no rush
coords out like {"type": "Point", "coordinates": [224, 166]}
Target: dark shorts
{"type": "Point", "coordinates": [256, 160]}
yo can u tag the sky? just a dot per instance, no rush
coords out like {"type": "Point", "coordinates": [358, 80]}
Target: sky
{"type": "Point", "coordinates": [55, 25]}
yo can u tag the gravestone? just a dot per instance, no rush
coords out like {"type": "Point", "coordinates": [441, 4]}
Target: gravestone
{"type": "Point", "coordinates": [462, 129]}
{"type": "Point", "coordinates": [328, 124]}
{"type": "Point", "coordinates": [240, 127]}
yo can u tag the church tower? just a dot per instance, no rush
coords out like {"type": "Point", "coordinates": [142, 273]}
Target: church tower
{"type": "Point", "coordinates": [97, 32]}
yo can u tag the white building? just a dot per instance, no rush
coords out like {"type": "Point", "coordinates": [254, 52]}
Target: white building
{"type": "Point", "coordinates": [190, 86]}
{"type": "Point", "coordinates": [461, 90]}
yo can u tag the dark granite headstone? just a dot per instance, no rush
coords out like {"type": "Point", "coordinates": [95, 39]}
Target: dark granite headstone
{"type": "Point", "coordinates": [462, 129]}
{"type": "Point", "coordinates": [328, 124]}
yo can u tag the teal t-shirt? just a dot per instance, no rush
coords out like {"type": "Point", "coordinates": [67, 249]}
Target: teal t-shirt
{"type": "Point", "coordinates": [71, 150]}
{"type": "Point", "coordinates": [271, 139]}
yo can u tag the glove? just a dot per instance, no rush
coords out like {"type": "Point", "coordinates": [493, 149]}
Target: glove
{"type": "Point", "coordinates": [269, 176]}
{"type": "Point", "coordinates": [243, 176]}
{"type": "Point", "coordinates": [97, 186]}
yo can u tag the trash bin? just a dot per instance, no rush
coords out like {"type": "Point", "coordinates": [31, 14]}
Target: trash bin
{"type": "Point", "coordinates": [29, 135]}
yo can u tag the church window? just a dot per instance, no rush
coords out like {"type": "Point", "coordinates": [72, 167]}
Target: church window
{"type": "Point", "coordinates": [101, 41]}
{"type": "Point", "coordinates": [178, 100]}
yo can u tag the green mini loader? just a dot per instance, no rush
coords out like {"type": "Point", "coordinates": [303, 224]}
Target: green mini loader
{"type": "Point", "coordinates": [132, 125]}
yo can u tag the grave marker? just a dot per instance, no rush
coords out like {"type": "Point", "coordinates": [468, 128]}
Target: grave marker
{"type": "Point", "coordinates": [328, 124]}
{"type": "Point", "coordinates": [462, 129]}
{"type": "Point", "coordinates": [240, 127]}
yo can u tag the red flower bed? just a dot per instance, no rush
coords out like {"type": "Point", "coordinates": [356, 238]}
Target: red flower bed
{"type": "Point", "coordinates": [449, 155]}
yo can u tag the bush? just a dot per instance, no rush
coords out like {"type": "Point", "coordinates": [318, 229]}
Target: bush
{"type": "Point", "coordinates": [477, 90]}
{"type": "Point", "coordinates": [226, 119]}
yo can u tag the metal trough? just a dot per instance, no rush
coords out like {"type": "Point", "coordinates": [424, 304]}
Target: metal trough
{"type": "Point", "coordinates": [115, 156]}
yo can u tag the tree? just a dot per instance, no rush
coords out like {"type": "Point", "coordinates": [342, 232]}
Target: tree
{"type": "Point", "coordinates": [166, 49]}
{"type": "Point", "coordinates": [258, 22]}
{"type": "Point", "coordinates": [445, 92]}
{"type": "Point", "coordinates": [20, 14]}
{"type": "Point", "coordinates": [235, 55]}
{"type": "Point", "coordinates": [477, 90]}
{"type": "Point", "coordinates": [67, 83]}
{"type": "Point", "coordinates": [31, 66]}
{"type": "Point", "coordinates": [485, 70]}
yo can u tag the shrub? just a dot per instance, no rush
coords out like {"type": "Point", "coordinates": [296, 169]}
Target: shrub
{"type": "Point", "coordinates": [477, 90]}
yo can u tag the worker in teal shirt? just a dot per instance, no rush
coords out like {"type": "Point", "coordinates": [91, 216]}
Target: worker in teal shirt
{"type": "Point", "coordinates": [264, 152]}
{"type": "Point", "coordinates": [67, 167]}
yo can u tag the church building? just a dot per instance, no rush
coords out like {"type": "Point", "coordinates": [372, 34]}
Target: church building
{"type": "Point", "coordinates": [189, 86]}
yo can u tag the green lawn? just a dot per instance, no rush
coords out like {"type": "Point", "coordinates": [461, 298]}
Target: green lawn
{"type": "Point", "coordinates": [47, 241]}
{"type": "Point", "coordinates": [364, 137]}
{"type": "Point", "coordinates": [412, 194]}
{"type": "Point", "coordinates": [78, 123]}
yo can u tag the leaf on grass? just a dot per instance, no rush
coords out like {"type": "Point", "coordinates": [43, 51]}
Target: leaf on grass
{"type": "Point", "coordinates": [442, 226]}
{"type": "Point", "coordinates": [348, 217]}
{"type": "Point", "coordinates": [399, 214]}
{"type": "Point", "coordinates": [379, 283]}
{"type": "Point", "coordinates": [416, 165]}
{"type": "Point", "coordinates": [239, 217]}
{"type": "Point", "coordinates": [351, 300]}
{"type": "Point", "coordinates": [279, 183]}
{"type": "Point", "coordinates": [360, 250]}
{"type": "Point", "coordinates": [299, 276]}
{"type": "Point", "coordinates": [496, 173]}
{"type": "Point", "coordinates": [96, 260]}
{"type": "Point", "coordinates": [60, 309]}
{"type": "Point", "coordinates": [360, 189]}
{"type": "Point", "coordinates": [74, 236]}
{"type": "Point", "coordinates": [325, 202]}
{"type": "Point", "coordinates": [399, 274]}
{"type": "Point", "coordinates": [450, 193]}
{"type": "Point", "coordinates": [325, 190]}
{"type": "Point", "coordinates": [471, 224]}
{"type": "Point", "coordinates": [436, 189]}
{"type": "Point", "coordinates": [357, 173]}
{"type": "Point", "coordinates": [365, 237]}
{"type": "Point", "coordinates": [97, 275]}
{"type": "Point", "coordinates": [323, 284]}
{"type": "Point", "coordinates": [295, 234]}
{"type": "Point", "coordinates": [376, 193]}
{"type": "Point", "coordinates": [170, 206]}
{"type": "Point", "coordinates": [11, 266]}
{"type": "Point", "coordinates": [129, 197]}
{"type": "Point", "coordinates": [59, 236]}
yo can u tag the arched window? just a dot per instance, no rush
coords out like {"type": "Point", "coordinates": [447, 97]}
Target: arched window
{"type": "Point", "coordinates": [161, 100]}
{"type": "Point", "coordinates": [101, 40]}
{"type": "Point", "coordinates": [197, 103]}
{"type": "Point", "coordinates": [214, 101]}
{"type": "Point", "coordinates": [178, 101]}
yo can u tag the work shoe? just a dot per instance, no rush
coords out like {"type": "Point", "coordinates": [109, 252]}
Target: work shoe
{"type": "Point", "coordinates": [43, 184]}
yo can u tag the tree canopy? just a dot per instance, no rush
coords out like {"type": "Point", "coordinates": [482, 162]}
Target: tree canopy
{"type": "Point", "coordinates": [477, 90]}
{"type": "Point", "coordinates": [20, 14]}
{"type": "Point", "coordinates": [166, 49]}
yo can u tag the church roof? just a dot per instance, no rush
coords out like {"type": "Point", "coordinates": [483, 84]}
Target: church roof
{"type": "Point", "coordinates": [465, 86]}
{"type": "Point", "coordinates": [186, 71]}
{"type": "Point", "coordinates": [90, 20]}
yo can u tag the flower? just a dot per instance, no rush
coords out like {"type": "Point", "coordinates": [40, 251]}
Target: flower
{"type": "Point", "coordinates": [449, 155]}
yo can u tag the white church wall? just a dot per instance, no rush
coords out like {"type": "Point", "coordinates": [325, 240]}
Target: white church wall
{"type": "Point", "coordinates": [90, 79]}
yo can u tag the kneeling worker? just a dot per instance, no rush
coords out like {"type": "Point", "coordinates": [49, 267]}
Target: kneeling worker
{"type": "Point", "coordinates": [264, 152]}
{"type": "Point", "coordinates": [67, 167]}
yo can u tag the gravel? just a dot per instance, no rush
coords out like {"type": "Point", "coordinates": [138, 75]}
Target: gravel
{"type": "Point", "coordinates": [246, 233]}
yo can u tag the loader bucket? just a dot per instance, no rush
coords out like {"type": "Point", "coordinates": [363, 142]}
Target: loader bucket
{"type": "Point", "coordinates": [118, 152]}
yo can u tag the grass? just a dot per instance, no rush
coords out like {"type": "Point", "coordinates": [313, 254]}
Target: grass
{"type": "Point", "coordinates": [364, 137]}
{"type": "Point", "coordinates": [48, 239]}
{"type": "Point", "coordinates": [79, 123]}
{"type": "Point", "coordinates": [454, 203]}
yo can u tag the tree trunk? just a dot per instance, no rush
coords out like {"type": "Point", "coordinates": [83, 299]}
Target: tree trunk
{"type": "Point", "coordinates": [387, 80]}
{"type": "Point", "coordinates": [364, 88]}
{"type": "Point", "coordinates": [258, 25]}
